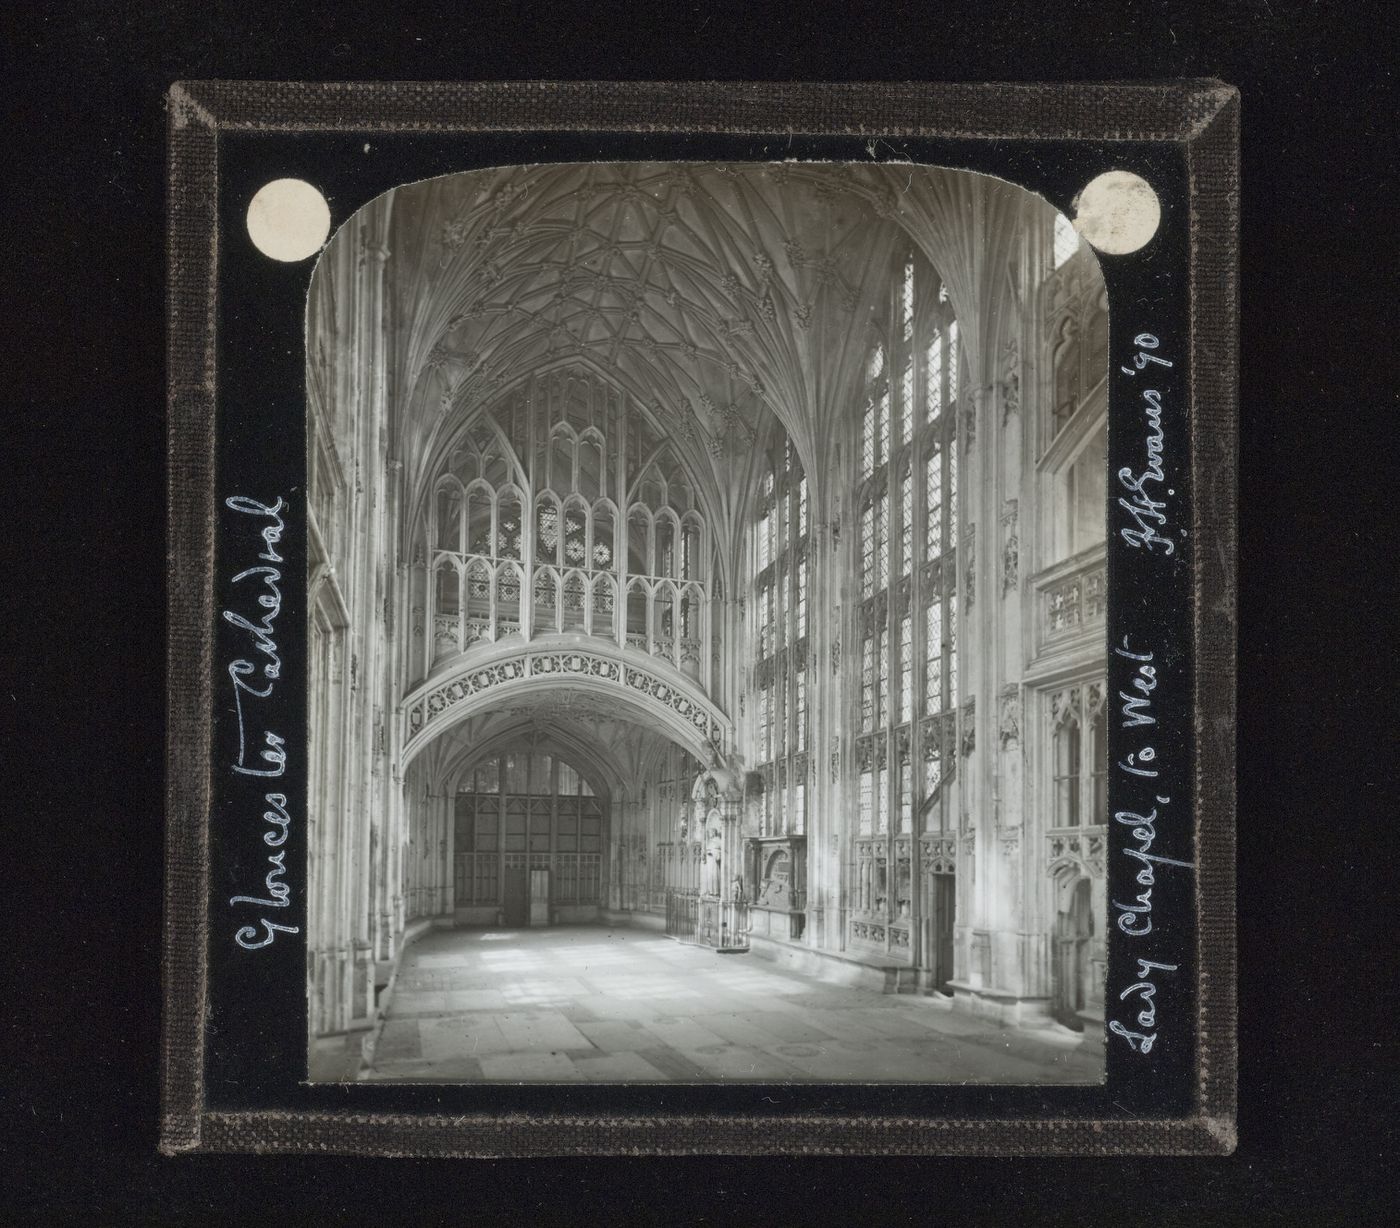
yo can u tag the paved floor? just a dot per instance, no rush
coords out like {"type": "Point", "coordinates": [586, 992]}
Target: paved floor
{"type": "Point", "coordinates": [588, 1004]}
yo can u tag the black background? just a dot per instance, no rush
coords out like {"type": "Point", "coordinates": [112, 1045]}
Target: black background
{"type": "Point", "coordinates": [257, 1005]}
{"type": "Point", "coordinates": [83, 696]}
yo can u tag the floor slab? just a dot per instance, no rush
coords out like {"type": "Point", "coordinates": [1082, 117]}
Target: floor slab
{"type": "Point", "coordinates": [590, 1004]}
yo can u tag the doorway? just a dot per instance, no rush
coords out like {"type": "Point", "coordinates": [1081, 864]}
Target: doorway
{"type": "Point", "coordinates": [523, 811]}
{"type": "Point", "coordinates": [942, 908]}
{"type": "Point", "coordinates": [1074, 933]}
{"type": "Point", "coordinates": [515, 901]}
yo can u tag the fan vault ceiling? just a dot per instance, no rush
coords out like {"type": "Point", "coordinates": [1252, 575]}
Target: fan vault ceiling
{"type": "Point", "coordinates": [731, 302]}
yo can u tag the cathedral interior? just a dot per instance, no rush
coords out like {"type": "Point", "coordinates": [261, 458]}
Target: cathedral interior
{"type": "Point", "coordinates": [707, 570]}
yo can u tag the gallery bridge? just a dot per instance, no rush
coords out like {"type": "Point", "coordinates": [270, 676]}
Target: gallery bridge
{"type": "Point", "coordinates": [650, 690]}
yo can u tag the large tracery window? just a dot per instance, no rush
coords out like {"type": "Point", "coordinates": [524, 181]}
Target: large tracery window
{"type": "Point", "coordinates": [556, 512]}
{"type": "Point", "coordinates": [780, 560]}
{"type": "Point", "coordinates": [907, 496]}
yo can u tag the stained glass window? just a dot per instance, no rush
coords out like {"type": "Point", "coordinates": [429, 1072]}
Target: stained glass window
{"type": "Point", "coordinates": [801, 596]}
{"type": "Point", "coordinates": [906, 300]}
{"type": "Point", "coordinates": [954, 359]}
{"type": "Point", "coordinates": [950, 504]}
{"type": "Point", "coordinates": [940, 524]}
{"type": "Point", "coordinates": [575, 543]}
{"type": "Point", "coordinates": [547, 534]}
{"type": "Point", "coordinates": [882, 541]}
{"type": "Point", "coordinates": [906, 664]}
{"type": "Point", "coordinates": [933, 491]}
{"type": "Point", "coordinates": [882, 427]}
{"type": "Point", "coordinates": [867, 550]}
{"type": "Point", "coordinates": [933, 657]}
{"type": "Point", "coordinates": [882, 675]}
{"type": "Point", "coordinates": [781, 592]}
{"type": "Point", "coordinates": [801, 709]}
{"type": "Point", "coordinates": [909, 487]}
{"type": "Point", "coordinates": [765, 620]}
{"type": "Point", "coordinates": [1079, 755]}
{"type": "Point", "coordinates": [906, 792]}
{"type": "Point", "coordinates": [950, 653]}
{"type": "Point", "coordinates": [933, 378]}
{"type": "Point", "coordinates": [933, 764]}
{"type": "Point", "coordinates": [906, 403]}
{"type": "Point", "coordinates": [906, 523]}
{"type": "Point", "coordinates": [508, 529]}
{"type": "Point", "coordinates": [867, 686]}
{"type": "Point", "coordinates": [1066, 757]}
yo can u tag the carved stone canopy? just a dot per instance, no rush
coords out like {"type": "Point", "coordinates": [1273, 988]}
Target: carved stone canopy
{"type": "Point", "coordinates": [718, 784]}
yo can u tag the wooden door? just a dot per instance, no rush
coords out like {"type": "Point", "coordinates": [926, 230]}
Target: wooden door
{"type": "Point", "coordinates": [516, 897]}
{"type": "Point", "coordinates": [942, 909]}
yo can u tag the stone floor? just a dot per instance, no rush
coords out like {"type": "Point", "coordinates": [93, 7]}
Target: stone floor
{"type": "Point", "coordinates": [589, 1004]}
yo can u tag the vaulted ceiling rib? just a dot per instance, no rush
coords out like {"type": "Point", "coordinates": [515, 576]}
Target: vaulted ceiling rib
{"type": "Point", "coordinates": [721, 294]}
{"type": "Point", "coordinates": [731, 302]}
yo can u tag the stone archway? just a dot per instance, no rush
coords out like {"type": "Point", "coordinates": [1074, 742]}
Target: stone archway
{"type": "Point", "coordinates": [652, 694]}
{"type": "Point", "coordinates": [1072, 948]}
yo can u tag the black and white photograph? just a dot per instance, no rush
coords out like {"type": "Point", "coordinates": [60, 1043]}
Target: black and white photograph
{"type": "Point", "coordinates": [707, 655]}
{"type": "Point", "coordinates": [721, 614]}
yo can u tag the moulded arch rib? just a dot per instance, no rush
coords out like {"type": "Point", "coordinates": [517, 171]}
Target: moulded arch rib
{"type": "Point", "coordinates": [652, 692]}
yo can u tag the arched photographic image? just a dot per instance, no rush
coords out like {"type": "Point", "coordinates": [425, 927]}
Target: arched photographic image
{"type": "Point", "coordinates": [707, 652]}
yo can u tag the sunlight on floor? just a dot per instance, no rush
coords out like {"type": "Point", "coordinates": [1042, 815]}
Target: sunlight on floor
{"type": "Point", "coordinates": [584, 1004]}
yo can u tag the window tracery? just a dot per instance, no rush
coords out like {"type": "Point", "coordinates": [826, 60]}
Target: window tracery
{"type": "Point", "coordinates": [599, 529]}
{"type": "Point", "coordinates": [780, 560]}
{"type": "Point", "coordinates": [1079, 755]}
{"type": "Point", "coordinates": [907, 619]}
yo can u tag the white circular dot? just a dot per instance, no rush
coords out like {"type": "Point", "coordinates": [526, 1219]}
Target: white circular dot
{"type": "Point", "coordinates": [288, 220]}
{"type": "Point", "coordinates": [1117, 212]}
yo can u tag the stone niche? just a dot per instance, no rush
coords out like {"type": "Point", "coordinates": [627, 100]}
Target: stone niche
{"type": "Point", "coordinates": [775, 882]}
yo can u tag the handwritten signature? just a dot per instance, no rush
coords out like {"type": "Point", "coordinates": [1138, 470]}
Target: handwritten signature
{"type": "Point", "coordinates": [1148, 514]}
{"type": "Point", "coordinates": [254, 677]}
